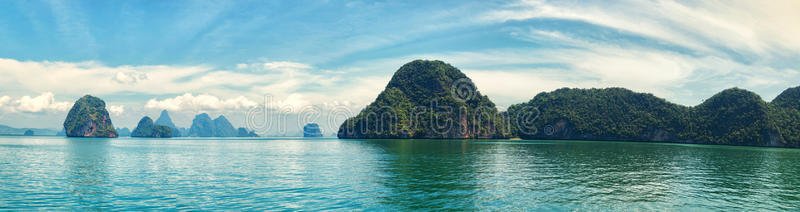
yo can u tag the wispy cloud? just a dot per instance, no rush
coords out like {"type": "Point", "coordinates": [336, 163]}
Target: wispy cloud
{"type": "Point", "coordinates": [755, 27]}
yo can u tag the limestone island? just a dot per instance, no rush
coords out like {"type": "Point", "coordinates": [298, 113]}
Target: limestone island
{"type": "Point", "coordinates": [427, 99]}
{"type": "Point", "coordinates": [89, 118]}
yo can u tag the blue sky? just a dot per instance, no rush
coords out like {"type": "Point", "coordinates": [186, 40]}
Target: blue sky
{"type": "Point", "coordinates": [222, 57]}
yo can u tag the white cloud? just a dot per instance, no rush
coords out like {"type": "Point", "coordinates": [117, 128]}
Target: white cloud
{"type": "Point", "coordinates": [4, 100]}
{"type": "Point", "coordinates": [44, 102]}
{"type": "Point", "coordinates": [94, 77]}
{"type": "Point", "coordinates": [129, 77]}
{"type": "Point", "coordinates": [280, 65]}
{"type": "Point", "coordinates": [200, 102]}
{"type": "Point", "coordinates": [116, 109]}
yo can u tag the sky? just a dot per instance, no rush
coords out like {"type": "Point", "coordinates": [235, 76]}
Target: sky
{"type": "Point", "coordinates": [227, 57]}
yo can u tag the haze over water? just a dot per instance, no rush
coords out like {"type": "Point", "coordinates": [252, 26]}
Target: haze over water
{"type": "Point", "coordinates": [314, 174]}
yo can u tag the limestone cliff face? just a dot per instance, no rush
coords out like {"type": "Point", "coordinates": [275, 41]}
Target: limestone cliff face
{"type": "Point", "coordinates": [89, 118]}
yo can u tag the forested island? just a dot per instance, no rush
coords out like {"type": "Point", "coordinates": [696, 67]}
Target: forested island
{"type": "Point", "coordinates": [410, 106]}
{"type": "Point", "coordinates": [421, 93]}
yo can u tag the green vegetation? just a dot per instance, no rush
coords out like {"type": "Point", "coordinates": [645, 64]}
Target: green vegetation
{"type": "Point", "coordinates": [146, 128]}
{"type": "Point", "coordinates": [89, 118]}
{"type": "Point", "coordinates": [601, 114]}
{"type": "Point", "coordinates": [731, 117]}
{"type": "Point", "coordinates": [427, 99]}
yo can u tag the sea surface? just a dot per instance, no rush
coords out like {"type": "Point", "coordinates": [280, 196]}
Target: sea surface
{"type": "Point", "coordinates": [56, 173]}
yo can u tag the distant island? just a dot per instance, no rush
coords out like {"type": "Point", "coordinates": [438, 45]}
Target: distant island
{"type": "Point", "coordinates": [89, 118]}
{"type": "Point", "coordinates": [10, 131]}
{"type": "Point", "coordinates": [124, 132]}
{"type": "Point", "coordinates": [146, 128]}
{"type": "Point", "coordinates": [312, 130]}
{"type": "Point", "coordinates": [407, 109]}
{"type": "Point", "coordinates": [204, 126]}
{"type": "Point", "coordinates": [165, 120]}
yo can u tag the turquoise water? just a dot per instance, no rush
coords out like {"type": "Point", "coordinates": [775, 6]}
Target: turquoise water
{"type": "Point", "coordinates": [54, 173]}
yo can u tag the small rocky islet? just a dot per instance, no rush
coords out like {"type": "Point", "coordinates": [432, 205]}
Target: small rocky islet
{"type": "Point", "coordinates": [312, 130]}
